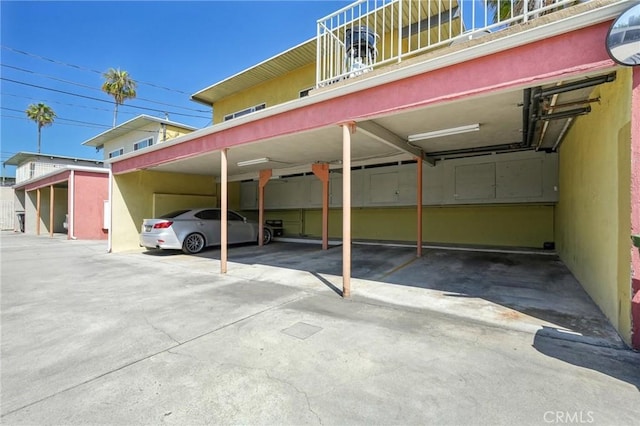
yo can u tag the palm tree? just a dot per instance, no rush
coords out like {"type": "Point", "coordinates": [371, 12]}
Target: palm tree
{"type": "Point", "coordinates": [505, 9]}
{"type": "Point", "coordinates": [43, 115]}
{"type": "Point", "coordinates": [121, 86]}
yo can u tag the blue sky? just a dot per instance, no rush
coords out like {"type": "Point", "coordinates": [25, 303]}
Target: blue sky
{"type": "Point", "coordinates": [182, 46]}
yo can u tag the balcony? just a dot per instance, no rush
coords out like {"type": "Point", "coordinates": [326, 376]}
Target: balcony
{"type": "Point", "coordinates": [35, 169]}
{"type": "Point", "coordinates": [370, 34]}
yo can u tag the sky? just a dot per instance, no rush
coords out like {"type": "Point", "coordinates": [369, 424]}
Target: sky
{"type": "Point", "coordinates": [56, 52]}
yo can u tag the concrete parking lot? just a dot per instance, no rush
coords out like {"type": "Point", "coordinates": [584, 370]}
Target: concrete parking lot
{"type": "Point", "coordinates": [138, 338]}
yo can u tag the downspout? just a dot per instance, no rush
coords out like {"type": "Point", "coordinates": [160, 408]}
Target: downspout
{"type": "Point", "coordinates": [72, 205]}
{"type": "Point", "coordinates": [110, 230]}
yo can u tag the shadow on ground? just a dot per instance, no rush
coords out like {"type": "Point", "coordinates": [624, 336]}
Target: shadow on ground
{"type": "Point", "coordinates": [534, 284]}
{"type": "Point", "coordinates": [552, 343]}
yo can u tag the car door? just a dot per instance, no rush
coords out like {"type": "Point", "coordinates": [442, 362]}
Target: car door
{"type": "Point", "coordinates": [239, 230]}
{"type": "Point", "coordinates": [208, 222]}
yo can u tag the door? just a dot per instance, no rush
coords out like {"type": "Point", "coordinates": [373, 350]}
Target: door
{"type": "Point", "coordinates": [209, 225]}
{"type": "Point", "coordinates": [240, 231]}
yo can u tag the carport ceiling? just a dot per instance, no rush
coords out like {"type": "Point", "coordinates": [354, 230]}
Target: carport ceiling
{"type": "Point", "coordinates": [501, 116]}
{"type": "Point", "coordinates": [288, 152]}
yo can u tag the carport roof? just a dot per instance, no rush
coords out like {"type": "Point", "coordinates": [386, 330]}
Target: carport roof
{"type": "Point", "coordinates": [55, 176]}
{"type": "Point", "coordinates": [128, 126]}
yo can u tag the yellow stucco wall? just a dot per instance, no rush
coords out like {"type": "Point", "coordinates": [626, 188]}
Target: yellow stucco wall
{"type": "Point", "coordinates": [504, 225]}
{"type": "Point", "coordinates": [273, 92]}
{"type": "Point", "coordinates": [133, 200]}
{"type": "Point", "coordinates": [593, 214]}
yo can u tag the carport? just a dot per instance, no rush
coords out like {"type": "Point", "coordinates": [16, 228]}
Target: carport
{"type": "Point", "coordinates": [50, 202]}
{"type": "Point", "coordinates": [501, 99]}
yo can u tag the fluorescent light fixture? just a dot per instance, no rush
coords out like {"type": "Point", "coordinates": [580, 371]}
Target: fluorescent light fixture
{"type": "Point", "coordinates": [253, 162]}
{"type": "Point", "coordinates": [444, 132]}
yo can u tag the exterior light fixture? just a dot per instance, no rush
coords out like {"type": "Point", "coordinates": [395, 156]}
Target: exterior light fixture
{"type": "Point", "coordinates": [444, 132]}
{"type": "Point", "coordinates": [253, 162]}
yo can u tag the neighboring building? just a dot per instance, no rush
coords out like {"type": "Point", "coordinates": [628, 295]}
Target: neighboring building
{"type": "Point", "coordinates": [59, 194]}
{"type": "Point", "coordinates": [136, 134]}
{"type": "Point", "coordinates": [30, 165]}
{"type": "Point", "coordinates": [528, 132]}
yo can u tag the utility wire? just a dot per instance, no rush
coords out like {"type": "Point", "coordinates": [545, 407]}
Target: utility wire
{"type": "Point", "coordinates": [97, 99]}
{"type": "Point", "coordinates": [79, 123]}
{"type": "Point", "coordinates": [98, 89]}
{"type": "Point", "coordinates": [33, 55]}
{"type": "Point", "coordinates": [64, 103]}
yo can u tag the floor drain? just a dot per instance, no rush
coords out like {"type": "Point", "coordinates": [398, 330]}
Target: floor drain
{"type": "Point", "coordinates": [301, 330]}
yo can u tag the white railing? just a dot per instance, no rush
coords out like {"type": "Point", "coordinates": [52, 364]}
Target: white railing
{"type": "Point", "coordinates": [33, 169]}
{"type": "Point", "coordinates": [372, 33]}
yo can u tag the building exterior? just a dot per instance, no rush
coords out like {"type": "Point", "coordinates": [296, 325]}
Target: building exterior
{"type": "Point", "coordinates": [136, 134]}
{"type": "Point", "coordinates": [424, 130]}
{"type": "Point", "coordinates": [59, 194]}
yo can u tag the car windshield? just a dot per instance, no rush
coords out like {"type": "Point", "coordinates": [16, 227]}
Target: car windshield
{"type": "Point", "coordinates": [173, 214]}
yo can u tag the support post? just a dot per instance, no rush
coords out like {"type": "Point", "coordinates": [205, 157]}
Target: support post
{"type": "Point", "coordinates": [347, 130]}
{"type": "Point", "coordinates": [223, 211]}
{"type": "Point", "coordinates": [51, 205]}
{"type": "Point", "coordinates": [419, 206]}
{"type": "Point", "coordinates": [321, 170]}
{"type": "Point", "coordinates": [38, 211]}
{"type": "Point", "coordinates": [265, 175]}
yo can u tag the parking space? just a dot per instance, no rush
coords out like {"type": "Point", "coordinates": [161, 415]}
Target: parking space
{"type": "Point", "coordinates": [134, 338]}
{"type": "Point", "coordinates": [527, 290]}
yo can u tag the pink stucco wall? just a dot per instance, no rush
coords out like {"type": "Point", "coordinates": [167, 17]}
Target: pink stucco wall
{"type": "Point", "coordinates": [90, 192]}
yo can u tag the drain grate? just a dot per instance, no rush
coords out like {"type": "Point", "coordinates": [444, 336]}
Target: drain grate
{"type": "Point", "coordinates": [301, 330]}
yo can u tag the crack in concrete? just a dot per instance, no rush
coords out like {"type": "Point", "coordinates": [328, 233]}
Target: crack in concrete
{"type": "Point", "coordinates": [161, 330]}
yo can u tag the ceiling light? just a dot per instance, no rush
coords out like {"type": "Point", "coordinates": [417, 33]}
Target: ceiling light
{"type": "Point", "coordinates": [444, 132]}
{"type": "Point", "coordinates": [253, 162]}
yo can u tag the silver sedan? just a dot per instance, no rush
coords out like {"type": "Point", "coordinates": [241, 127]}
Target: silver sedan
{"type": "Point", "coordinates": [193, 230]}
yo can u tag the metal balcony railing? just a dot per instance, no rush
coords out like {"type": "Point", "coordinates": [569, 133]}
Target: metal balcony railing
{"type": "Point", "coordinates": [34, 169]}
{"type": "Point", "coordinates": [372, 33]}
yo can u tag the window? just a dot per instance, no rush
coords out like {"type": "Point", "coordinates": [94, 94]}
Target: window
{"type": "Point", "coordinates": [234, 216]}
{"type": "Point", "coordinates": [116, 153]}
{"type": "Point", "coordinates": [244, 112]}
{"type": "Point", "coordinates": [210, 214]}
{"type": "Point", "coordinates": [305, 92]}
{"type": "Point", "coordinates": [142, 144]}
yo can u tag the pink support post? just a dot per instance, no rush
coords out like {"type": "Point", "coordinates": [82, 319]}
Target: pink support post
{"type": "Point", "coordinates": [223, 211]}
{"type": "Point", "coordinates": [265, 175]}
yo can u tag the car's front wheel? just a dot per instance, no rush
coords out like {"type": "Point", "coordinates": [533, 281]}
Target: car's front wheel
{"type": "Point", "coordinates": [267, 236]}
{"type": "Point", "coordinates": [193, 243]}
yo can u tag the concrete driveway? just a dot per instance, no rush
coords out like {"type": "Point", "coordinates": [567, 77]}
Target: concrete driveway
{"type": "Point", "coordinates": [91, 337]}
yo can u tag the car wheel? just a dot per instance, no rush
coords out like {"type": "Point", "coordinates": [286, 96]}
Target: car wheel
{"type": "Point", "coordinates": [193, 243]}
{"type": "Point", "coordinates": [267, 236]}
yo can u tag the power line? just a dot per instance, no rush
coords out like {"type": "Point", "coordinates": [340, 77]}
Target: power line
{"type": "Point", "coordinates": [95, 88]}
{"type": "Point", "coordinates": [97, 99]}
{"type": "Point", "coordinates": [79, 123]}
{"type": "Point", "coordinates": [33, 55]}
{"type": "Point", "coordinates": [64, 103]}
